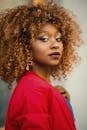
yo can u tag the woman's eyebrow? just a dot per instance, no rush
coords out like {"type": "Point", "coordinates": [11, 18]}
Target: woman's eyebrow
{"type": "Point", "coordinates": [47, 32]}
{"type": "Point", "coordinates": [42, 32]}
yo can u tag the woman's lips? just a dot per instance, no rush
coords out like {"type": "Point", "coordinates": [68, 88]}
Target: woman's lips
{"type": "Point", "coordinates": [55, 55]}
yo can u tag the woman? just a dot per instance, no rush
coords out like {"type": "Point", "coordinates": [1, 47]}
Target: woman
{"type": "Point", "coordinates": [38, 41]}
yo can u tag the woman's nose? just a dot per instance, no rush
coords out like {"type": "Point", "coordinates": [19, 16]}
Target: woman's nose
{"type": "Point", "coordinates": [54, 43]}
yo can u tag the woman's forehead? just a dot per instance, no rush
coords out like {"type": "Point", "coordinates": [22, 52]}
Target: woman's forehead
{"type": "Point", "coordinates": [46, 28]}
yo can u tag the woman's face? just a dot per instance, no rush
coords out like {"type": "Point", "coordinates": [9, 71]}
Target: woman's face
{"type": "Point", "coordinates": [47, 48]}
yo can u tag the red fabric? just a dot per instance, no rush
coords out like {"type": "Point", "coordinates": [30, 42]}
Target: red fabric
{"type": "Point", "coordinates": [35, 105]}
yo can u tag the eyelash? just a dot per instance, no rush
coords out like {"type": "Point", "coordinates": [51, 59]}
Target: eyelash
{"type": "Point", "coordinates": [59, 39]}
{"type": "Point", "coordinates": [45, 39]}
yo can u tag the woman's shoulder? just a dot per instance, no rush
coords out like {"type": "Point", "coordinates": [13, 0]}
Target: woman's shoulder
{"type": "Point", "coordinates": [31, 81]}
{"type": "Point", "coordinates": [31, 78]}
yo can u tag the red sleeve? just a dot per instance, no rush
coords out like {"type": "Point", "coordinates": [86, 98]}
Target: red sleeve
{"type": "Point", "coordinates": [28, 108]}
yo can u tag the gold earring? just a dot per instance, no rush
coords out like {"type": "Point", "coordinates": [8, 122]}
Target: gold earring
{"type": "Point", "coordinates": [29, 65]}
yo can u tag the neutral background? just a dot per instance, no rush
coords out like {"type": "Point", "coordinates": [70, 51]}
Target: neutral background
{"type": "Point", "coordinates": [77, 83]}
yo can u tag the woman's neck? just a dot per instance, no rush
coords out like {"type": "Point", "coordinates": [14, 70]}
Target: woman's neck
{"type": "Point", "coordinates": [42, 72]}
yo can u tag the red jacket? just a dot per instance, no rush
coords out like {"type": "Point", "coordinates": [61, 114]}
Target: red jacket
{"type": "Point", "coordinates": [35, 105]}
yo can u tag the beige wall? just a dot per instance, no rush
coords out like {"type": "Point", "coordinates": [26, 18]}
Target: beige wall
{"type": "Point", "coordinates": [11, 3]}
{"type": "Point", "coordinates": [77, 84]}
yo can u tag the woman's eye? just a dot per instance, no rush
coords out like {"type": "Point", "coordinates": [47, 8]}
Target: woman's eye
{"type": "Point", "coordinates": [59, 38]}
{"type": "Point", "coordinates": [43, 38]}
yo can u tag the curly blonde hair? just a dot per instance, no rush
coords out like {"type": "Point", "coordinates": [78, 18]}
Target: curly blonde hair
{"type": "Point", "coordinates": [20, 25]}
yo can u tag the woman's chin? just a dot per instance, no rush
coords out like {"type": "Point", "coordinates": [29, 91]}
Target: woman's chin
{"type": "Point", "coordinates": [54, 63]}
